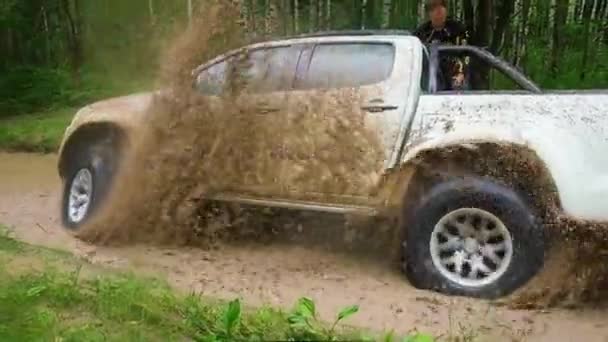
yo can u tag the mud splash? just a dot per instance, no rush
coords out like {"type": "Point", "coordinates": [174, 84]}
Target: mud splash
{"type": "Point", "coordinates": [194, 146]}
{"type": "Point", "coordinates": [575, 272]}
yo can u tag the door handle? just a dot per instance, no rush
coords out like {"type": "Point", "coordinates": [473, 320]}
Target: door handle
{"type": "Point", "coordinates": [378, 108]}
{"type": "Point", "coordinates": [266, 110]}
{"type": "Point", "coordinates": [264, 107]}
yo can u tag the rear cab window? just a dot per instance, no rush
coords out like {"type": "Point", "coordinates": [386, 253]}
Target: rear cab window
{"type": "Point", "coordinates": [345, 64]}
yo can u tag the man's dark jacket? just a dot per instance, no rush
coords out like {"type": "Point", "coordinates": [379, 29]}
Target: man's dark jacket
{"type": "Point", "coordinates": [454, 33]}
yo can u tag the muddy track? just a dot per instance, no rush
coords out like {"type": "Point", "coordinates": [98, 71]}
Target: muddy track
{"type": "Point", "coordinates": [277, 274]}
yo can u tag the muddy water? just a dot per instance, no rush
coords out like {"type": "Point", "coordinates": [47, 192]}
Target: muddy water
{"type": "Point", "coordinates": [278, 275]}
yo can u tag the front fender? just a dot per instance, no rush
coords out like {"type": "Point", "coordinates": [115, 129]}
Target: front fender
{"type": "Point", "coordinates": [126, 113]}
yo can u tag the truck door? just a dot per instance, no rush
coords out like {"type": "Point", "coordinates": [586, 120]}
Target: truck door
{"type": "Point", "coordinates": [357, 97]}
{"type": "Point", "coordinates": [266, 74]}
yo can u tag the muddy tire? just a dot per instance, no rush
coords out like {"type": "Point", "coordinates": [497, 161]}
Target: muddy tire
{"type": "Point", "coordinates": [87, 181]}
{"type": "Point", "coordinates": [474, 238]}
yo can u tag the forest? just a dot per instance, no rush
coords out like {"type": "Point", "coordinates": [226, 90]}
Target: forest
{"type": "Point", "coordinates": [67, 52]}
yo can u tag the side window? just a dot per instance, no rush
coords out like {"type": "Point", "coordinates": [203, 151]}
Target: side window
{"type": "Point", "coordinates": [341, 65]}
{"type": "Point", "coordinates": [212, 81]}
{"type": "Point", "coordinates": [268, 70]}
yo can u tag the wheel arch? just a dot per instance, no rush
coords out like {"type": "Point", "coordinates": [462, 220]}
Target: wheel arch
{"type": "Point", "coordinates": [512, 164]}
{"type": "Point", "coordinates": [87, 134]}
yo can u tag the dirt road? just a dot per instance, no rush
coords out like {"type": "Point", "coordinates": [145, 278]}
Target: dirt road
{"type": "Point", "coordinates": [278, 275]}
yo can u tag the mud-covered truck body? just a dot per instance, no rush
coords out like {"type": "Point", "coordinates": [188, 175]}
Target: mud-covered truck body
{"type": "Point", "coordinates": [475, 175]}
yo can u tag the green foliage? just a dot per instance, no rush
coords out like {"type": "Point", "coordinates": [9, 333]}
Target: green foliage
{"type": "Point", "coordinates": [232, 317]}
{"type": "Point", "coordinates": [6, 9]}
{"type": "Point", "coordinates": [123, 41]}
{"type": "Point", "coordinates": [419, 338]}
{"type": "Point", "coordinates": [6, 243]}
{"type": "Point", "coordinates": [306, 326]}
{"type": "Point", "coordinates": [40, 132]}
{"type": "Point", "coordinates": [46, 303]}
{"type": "Point", "coordinates": [30, 89]}
{"type": "Point", "coordinates": [347, 312]}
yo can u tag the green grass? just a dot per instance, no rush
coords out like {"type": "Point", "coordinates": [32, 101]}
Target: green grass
{"type": "Point", "coordinates": [46, 295]}
{"type": "Point", "coordinates": [39, 132]}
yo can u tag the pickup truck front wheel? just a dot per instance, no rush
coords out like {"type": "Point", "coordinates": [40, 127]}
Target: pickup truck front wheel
{"type": "Point", "coordinates": [87, 180]}
{"type": "Point", "coordinates": [473, 238]}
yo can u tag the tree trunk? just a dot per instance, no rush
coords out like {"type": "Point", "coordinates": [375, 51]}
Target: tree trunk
{"type": "Point", "coordinates": [413, 18]}
{"type": "Point", "coordinates": [358, 14]}
{"type": "Point", "coordinates": [602, 19]}
{"type": "Point", "coordinates": [483, 28]}
{"type": "Point", "coordinates": [386, 13]}
{"type": "Point", "coordinates": [559, 21]}
{"type": "Point", "coordinates": [544, 17]}
{"type": "Point", "coordinates": [577, 9]}
{"type": "Point", "coordinates": [393, 21]}
{"type": "Point", "coordinates": [504, 16]}
{"type": "Point", "coordinates": [328, 14]}
{"type": "Point", "coordinates": [267, 18]}
{"type": "Point", "coordinates": [296, 16]}
{"type": "Point", "coordinates": [587, 12]}
{"type": "Point", "coordinates": [523, 35]}
{"type": "Point", "coordinates": [364, 14]}
{"type": "Point", "coordinates": [469, 15]}
{"type": "Point", "coordinates": [47, 36]}
{"type": "Point", "coordinates": [74, 36]}
{"type": "Point", "coordinates": [151, 12]}
{"type": "Point", "coordinates": [311, 15]}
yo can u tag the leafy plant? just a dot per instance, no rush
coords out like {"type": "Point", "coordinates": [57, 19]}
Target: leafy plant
{"type": "Point", "coordinates": [419, 338]}
{"type": "Point", "coordinates": [343, 314]}
{"type": "Point", "coordinates": [232, 317]}
{"type": "Point", "coordinates": [303, 319]}
{"type": "Point", "coordinates": [55, 304]}
{"type": "Point", "coordinates": [306, 325]}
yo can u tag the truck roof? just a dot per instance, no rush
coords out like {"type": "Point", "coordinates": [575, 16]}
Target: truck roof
{"type": "Point", "coordinates": [338, 33]}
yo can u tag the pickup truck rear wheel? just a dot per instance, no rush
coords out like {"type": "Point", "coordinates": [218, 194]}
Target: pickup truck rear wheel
{"type": "Point", "coordinates": [474, 238]}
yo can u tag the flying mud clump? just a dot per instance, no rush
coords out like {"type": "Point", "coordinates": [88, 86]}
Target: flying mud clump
{"type": "Point", "coordinates": [195, 146]}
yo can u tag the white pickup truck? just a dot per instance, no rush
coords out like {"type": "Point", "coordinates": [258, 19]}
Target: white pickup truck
{"type": "Point", "coordinates": [475, 174]}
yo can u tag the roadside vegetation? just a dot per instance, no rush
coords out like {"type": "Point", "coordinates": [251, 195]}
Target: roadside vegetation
{"type": "Point", "coordinates": [81, 51]}
{"type": "Point", "coordinates": [48, 295]}
{"type": "Point", "coordinates": [38, 132]}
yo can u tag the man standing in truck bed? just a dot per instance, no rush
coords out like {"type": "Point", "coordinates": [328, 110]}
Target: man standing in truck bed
{"type": "Point", "coordinates": [441, 29]}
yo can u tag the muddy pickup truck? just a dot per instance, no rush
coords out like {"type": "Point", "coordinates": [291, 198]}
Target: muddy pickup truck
{"type": "Point", "coordinates": [475, 175]}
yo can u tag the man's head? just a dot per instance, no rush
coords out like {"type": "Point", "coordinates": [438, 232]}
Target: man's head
{"type": "Point", "coordinates": [437, 11]}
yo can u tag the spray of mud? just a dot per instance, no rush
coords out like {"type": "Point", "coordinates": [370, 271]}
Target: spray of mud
{"type": "Point", "coordinates": [194, 146]}
{"type": "Point", "coordinates": [575, 272]}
